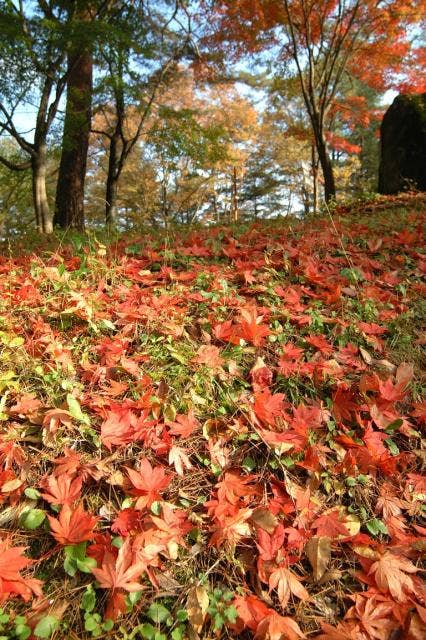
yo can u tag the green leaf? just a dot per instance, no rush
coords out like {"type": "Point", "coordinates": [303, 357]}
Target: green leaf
{"type": "Point", "coordinates": [133, 597]}
{"type": "Point", "coordinates": [108, 625]}
{"type": "Point", "coordinates": [46, 626]}
{"type": "Point", "coordinates": [249, 463]}
{"type": "Point", "coordinates": [394, 426]}
{"type": "Point", "coordinates": [392, 446]}
{"type": "Point", "coordinates": [231, 614]}
{"type": "Point", "coordinates": [22, 631]}
{"type": "Point", "coordinates": [70, 566]}
{"type": "Point", "coordinates": [158, 613]}
{"type": "Point", "coordinates": [32, 519]}
{"type": "Point", "coordinates": [90, 623]}
{"type": "Point", "coordinates": [178, 633]}
{"type": "Point", "coordinates": [88, 601]}
{"type": "Point", "coordinates": [32, 493]}
{"type": "Point", "coordinates": [376, 526]}
{"type": "Point", "coordinates": [75, 410]}
{"type": "Point", "coordinates": [86, 565]}
{"type": "Point", "coordinates": [76, 551]}
{"type": "Point", "coordinates": [147, 631]}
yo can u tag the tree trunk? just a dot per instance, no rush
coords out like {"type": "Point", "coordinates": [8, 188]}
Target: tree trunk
{"type": "Point", "coordinates": [112, 184]}
{"type": "Point", "coordinates": [69, 209]}
{"type": "Point", "coordinates": [314, 163]}
{"type": "Point", "coordinates": [327, 171]}
{"type": "Point", "coordinates": [234, 197]}
{"type": "Point", "coordinates": [41, 205]}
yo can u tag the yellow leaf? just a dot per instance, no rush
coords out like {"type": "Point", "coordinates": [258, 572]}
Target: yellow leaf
{"type": "Point", "coordinates": [318, 551]}
{"type": "Point", "coordinates": [196, 607]}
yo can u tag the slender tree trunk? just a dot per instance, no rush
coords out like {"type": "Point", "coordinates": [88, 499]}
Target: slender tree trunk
{"type": "Point", "coordinates": [327, 171]}
{"type": "Point", "coordinates": [314, 165]}
{"type": "Point", "coordinates": [234, 197]}
{"type": "Point", "coordinates": [112, 183]}
{"type": "Point", "coordinates": [69, 209]}
{"type": "Point", "coordinates": [41, 205]}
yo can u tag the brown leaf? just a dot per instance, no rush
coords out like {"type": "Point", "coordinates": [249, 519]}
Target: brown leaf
{"type": "Point", "coordinates": [318, 551]}
{"type": "Point", "coordinates": [264, 519]}
{"type": "Point", "coordinates": [196, 607]}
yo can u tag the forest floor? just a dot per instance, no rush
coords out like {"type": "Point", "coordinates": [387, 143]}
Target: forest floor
{"type": "Point", "coordinates": [217, 434]}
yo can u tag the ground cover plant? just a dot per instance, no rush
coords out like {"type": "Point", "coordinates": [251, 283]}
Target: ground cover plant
{"type": "Point", "coordinates": [216, 434]}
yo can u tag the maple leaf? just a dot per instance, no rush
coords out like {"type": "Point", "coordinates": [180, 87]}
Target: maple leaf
{"type": "Point", "coordinates": [343, 631]}
{"type": "Point", "coordinates": [390, 574]}
{"type": "Point", "coordinates": [251, 328]}
{"type": "Point", "coordinates": [120, 572]}
{"type": "Point", "coordinates": [233, 486]}
{"type": "Point", "coordinates": [119, 427]}
{"type": "Point", "coordinates": [179, 459]}
{"type": "Point", "coordinates": [329, 525]}
{"type": "Point", "coordinates": [12, 561]}
{"type": "Point", "coordinates": [374, 616]}
{"type": "Point", "coordinates": [210, 356]}
{"type": "Point", "coordinates": [73, 525]}
{"type": "Point", "coordinates": [231, 528]}
{"type": "Point", "coordinates": [173, 526]}
{"type": "Point", "coordinates": [184, 425]}
{"type": "Point", "coordinates": [251, 610]}
{"type": "Point", "coordinates": [276, 627]}
{"type": "Point", "coordinates": [269, 545]}
{"type": "Point", "coordinates": [261, 376]}
{"type": "Point", "coordinates": [127, 521]}
{"type": "Point", "coordinates": [63, 489]}
{"type": "Point", "coordinates": [268, 406]}
{"type": "Point", "coordinates": [286, 583]}
{"type": "Point", "coordinates": [147, 483]}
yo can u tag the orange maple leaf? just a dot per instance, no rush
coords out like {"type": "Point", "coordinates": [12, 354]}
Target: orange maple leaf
{"type": "Point", "coordinates": [276, 627]}
{"type": "Point", "coordinates": [147, 483]}
{"type": "Point", "coordinates": [73, 525]}
{"type": "Point", "coordinates": [63, 489]}
{"type": "Point", "coordinates": [390, 573]}
{"type": "Point", "coordinates": [120, 572]}
{"type": "Point", "coordinates": [286, 583]}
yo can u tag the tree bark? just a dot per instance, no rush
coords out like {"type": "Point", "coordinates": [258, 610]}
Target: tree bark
{"type": "Point", "coordinates": [69, 207]}
{"type": "Point", "coordinates": [112, 183]}
{"type": "Point", "coordinates": [327, 171]}
{"type": "Point", "coordinates": [41, 205]}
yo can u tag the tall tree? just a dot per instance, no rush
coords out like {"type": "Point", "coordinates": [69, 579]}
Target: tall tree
{"type": "Point", "coordinates": [370, 39]}
{"type": "Point", "coordinates": [69, 206]}
{"type": "Point", "coordinates": [32, 72]}
{"type": "Point", "coordinates": [147, 41]}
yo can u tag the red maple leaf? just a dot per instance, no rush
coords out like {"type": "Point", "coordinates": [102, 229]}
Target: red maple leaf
{"type": "Point", "coordinates": [63, 489]}
{"type": "Point", "coordinates": [119, 427]}
{"type": "Point", "coordinates": [268, 406]}
{"type": "Point", "coordinates": [276, 627]}
{"type": "Point", "coordinates": [250, 327]}
{"type": "Point", "coordinates": [251, 610]}
{"type": "Point", "coordinates": [147, 483]}
{"type": "Point", "coordinates": [391, 573]}
{"type": "Point", "coordinates": [330, 525]}
{"type": "Point", "coordinates": [184, 425]}
{"type": "Point", "coordinates": [120, 572]}
{"type": "Point", "coordinates": [73, 525]}
{"type": "Point", "coordinates": [269, 545]}
{"type": "Point", "coordinates": [233, 487]}
{"type": "Point", "coordinates": [127, 521]}
{"type": "Point", "coordinates": [12, 561]}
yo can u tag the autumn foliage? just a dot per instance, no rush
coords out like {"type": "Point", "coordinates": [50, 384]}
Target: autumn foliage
{"type": "Point", "coordinates": [224, 408]}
